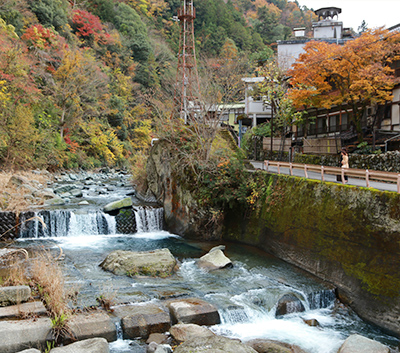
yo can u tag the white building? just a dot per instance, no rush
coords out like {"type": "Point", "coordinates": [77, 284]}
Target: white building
{"type": "Point", "coordinates": [327, 29]}
{"type": "Point", "coordinates": [255, 107]}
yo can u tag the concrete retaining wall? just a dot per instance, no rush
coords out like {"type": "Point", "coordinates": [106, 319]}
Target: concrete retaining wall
{"type": "Point", "coordinates": [345, 235]}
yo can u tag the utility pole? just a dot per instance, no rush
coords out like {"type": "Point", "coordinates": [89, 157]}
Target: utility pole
{"type": "Point", "coordinates": [187, 88]}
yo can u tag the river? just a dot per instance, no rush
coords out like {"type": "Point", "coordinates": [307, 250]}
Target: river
{"type": "Point", "coordinates": [245, 295]}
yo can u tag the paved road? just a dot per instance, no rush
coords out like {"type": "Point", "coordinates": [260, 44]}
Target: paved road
{"type": "Point", "coordinates": [328, 177]}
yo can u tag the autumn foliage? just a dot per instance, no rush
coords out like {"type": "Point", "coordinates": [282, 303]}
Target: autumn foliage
{"type": "Point", "coordinates": [354, 76]}
{"type": "Point", "coordinates": [89, 26]}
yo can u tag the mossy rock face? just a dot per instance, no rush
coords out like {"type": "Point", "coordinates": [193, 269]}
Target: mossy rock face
{"type": "Point", "coordinates": [346, 235]}
{"type": "Point", "coordinates": [157, 263]}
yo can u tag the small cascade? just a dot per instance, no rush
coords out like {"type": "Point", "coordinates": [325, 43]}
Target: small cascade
{"type": "Point", "coordinates": [234, 315]}
{"type": "Point", "coordinates": [64, 223]}
{"type": "Point", "coordinates": [321, 299]}
{"type": "Point", "coordinates": [120, 334]}
{"type": "Point", "coordinates": [149, 219]}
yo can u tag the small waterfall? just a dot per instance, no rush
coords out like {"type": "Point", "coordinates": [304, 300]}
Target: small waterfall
{"type": "Point", "coordinates": [321, 299]}
{"type": "Point", "coordinates": [64, 223]}
{"type": "Point", "coordinates": [149, 219]}
{"type": "Point", "coordinates": [234, 315]}
{"type": "Point", "coordinates": [120, 334]}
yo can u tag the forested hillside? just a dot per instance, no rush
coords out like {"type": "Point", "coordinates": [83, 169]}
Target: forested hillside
{"type": "Point", "coordinates": [80, 80]}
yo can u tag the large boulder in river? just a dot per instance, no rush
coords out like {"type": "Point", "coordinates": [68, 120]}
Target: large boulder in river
{"type": "Point", "coordinates": [92, 345]}
{"type": "Point", "coordinates": [185, 332]}
{"type": "Point", "coordinates": [114, 207]}
{"type": "Point", "coordinates": [141, 320]}
{"type": "Point", "coordinates": [158, 263]}
{"type": "Point", "coordinates": [289, 304]}
{"type": "Point", "coordinates": [271, 346]}
{"type": "Point", "coordinates": [214, 260]}
{"type": "Point", "coordinates": [361, 344]}
{"type": "Point", "coordinates": [213, 344]}
{"type": "Point", "coordinates": [193, 311]}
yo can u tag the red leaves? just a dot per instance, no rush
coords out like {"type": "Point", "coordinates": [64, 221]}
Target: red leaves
{"type": "Point", "coordinates": [40, 37]}
{"type": "Point", "coordinates": [89, 26]}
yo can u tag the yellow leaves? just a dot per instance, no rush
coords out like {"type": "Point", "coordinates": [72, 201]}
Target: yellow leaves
{"type": "Point", "coordinates": [102, 143]}
{"type": "Point", "coordinates": [4, 96]}
{"type": "Point", "coordinates": [9, 29]}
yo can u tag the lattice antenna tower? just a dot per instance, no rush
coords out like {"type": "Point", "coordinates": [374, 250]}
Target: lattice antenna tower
{"type": "Point", "coordinates": [187, 88]}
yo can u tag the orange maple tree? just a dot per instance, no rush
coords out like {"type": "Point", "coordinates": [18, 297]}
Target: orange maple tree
{"type": "Point", "coordinates": [355, 75]}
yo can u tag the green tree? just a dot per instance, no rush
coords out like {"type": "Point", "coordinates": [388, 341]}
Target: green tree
{"type": "Point", "coordinates": [51, 13]}
{"type": "Point", "coordinates": [130, 25]}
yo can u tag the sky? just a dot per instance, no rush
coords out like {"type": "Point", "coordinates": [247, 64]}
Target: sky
{"type": "Point", "coordinates": [376, 13]}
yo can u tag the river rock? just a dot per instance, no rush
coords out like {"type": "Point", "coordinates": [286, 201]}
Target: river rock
{"type": "Point", "coordinates": [17, 180]}
{"type": "Point", "coordinates": [112, 207]}
{"type": "Point", "coordinates": [185, 332]}
{"type": "Point", "coordinates": [76, 193]}
{"type": "Point", "coordinates": [147, 263]}
{"type": "Point", "coordinates": [45, 194]}
{"type": "Point", "coordinates": [193, 311]}
{"type": "Point", "coordinates": [213, 344]}
{"type": "Point", "coordinates": [312, 322]}
{"type": "Point", "coordinates": [361, 344]}
{"type": "Point", "coordinates": [163, 348]}
{"type": "Point", "coordinates": [91, 325]}
{"type": "Point", "coordinates": [142, 320]}
{"type": "Point", "coordinates": [158, 338]}
{"type": "Point", "coordinates": [271, 346]}
{"type": "Point", "coordinates": [30, 350]}
{"type": "Point", "coordinates": [14, 295]}
{"type": "Point", "coordinates": [93, 345]}
{"type": "Point", "coordinates": [214, 260]}
{"type": "Point", "coordinates": [64, 188]}
{"type": "Point", "coordinates": [56, 201]}
{"type": "Point", "coordinates": [289, 304]}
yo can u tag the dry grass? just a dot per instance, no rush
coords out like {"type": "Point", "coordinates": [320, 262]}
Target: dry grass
{"type": "Point", "coordinates": [11, 197]}
{"type": "Point", "coordinates": [44, 275]}
{"type": "Point", "coordinates": [16, 274]}
{"type": "Point", "coordinates": [107, 297]}
{"type": "Point", "coordinates": [47, 277]}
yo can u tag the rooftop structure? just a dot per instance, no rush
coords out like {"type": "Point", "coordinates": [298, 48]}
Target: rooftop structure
{"type": "Point", "coordinates": [326, 28]}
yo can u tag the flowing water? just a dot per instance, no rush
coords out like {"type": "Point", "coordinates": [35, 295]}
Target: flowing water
{"type": "Point", "coordinates": [245, 295]}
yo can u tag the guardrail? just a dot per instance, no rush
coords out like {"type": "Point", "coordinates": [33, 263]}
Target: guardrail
{"type": "Point", "coordinates": [351, 172]}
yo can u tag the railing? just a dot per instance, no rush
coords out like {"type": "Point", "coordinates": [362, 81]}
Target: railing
{"type": "Point", "coordinates": [357, 173]}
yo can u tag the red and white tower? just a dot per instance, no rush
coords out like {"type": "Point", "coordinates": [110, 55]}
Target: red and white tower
{"type": "Point", "coordinates": [187, 89]}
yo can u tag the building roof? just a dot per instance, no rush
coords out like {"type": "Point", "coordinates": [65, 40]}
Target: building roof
{"type": "Point", "coordinates": [253, 79]}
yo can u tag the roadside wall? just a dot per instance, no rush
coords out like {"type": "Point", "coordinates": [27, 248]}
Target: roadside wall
{"type": "Point", "coordinates": [345, 235]}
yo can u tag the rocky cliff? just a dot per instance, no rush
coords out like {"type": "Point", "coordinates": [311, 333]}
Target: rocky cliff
{"type": "Point", "coordinates": [182, 213]}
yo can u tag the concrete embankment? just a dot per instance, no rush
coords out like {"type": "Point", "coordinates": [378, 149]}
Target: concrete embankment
{"type": "Point", "coordinates": [345, 235]}
{"type": "Point", "coordinates": [348, 236]}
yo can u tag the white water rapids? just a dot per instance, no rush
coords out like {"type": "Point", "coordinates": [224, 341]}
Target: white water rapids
{"type": "Point", "coordinates": [245, 295]}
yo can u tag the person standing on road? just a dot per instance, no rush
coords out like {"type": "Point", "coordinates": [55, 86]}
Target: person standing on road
{"type": "Point", "coordinates": [345, 162]}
